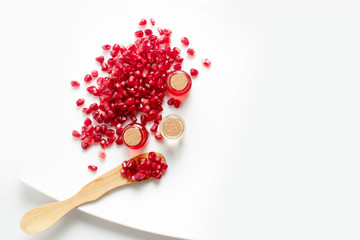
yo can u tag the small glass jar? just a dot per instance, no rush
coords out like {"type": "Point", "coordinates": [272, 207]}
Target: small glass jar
{"type": "Point", "coordinates": [172, 127]}
{"type": "Point", "coordinates": [135, 136]}
{"type": "Point", "coordinates": [178, 83]}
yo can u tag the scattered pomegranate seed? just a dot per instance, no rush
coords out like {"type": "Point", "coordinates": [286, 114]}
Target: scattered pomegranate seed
{"type": "Point", "coordinates": [171, 101]}
{"type": "Point", "coordinates": [94, 73]}
{"type": "Point", "coordinates": [87, 78]}
{"type": "Point", "coordinates": [75, 84]}
{"type": "Point", "coordinates": [206, 62]}
{"type": "Point", "coordinates": [194, 72]}
{"type": "Point", "coordinates": [142, 22]}
{"type": "Point", "coordinates": [92, 168]}
{"type": "Point", "coordinates": [176, 103]}
{"type": "Point", "coordinates": [80, 102]}
{"type": "Point", "coordinates": [87, 122]}
{"type": "Point", "coordinates": [139, 34]}
{"type": "Point", "coordinates": [159, 136]}
{"type": "Point", "coordinates": [148, 32]}
{"type": "Point", "coordinates": [100, 59]}
{"type": "Point", "coordinates": [106, 47]}
{"type": "Point", "coordinates": [152, 21]}
{"type": "Point", "coordinates": [119, 140]}
{"type": "Point", "coordinates": [102, 154]}
{"type": "Point", "coordinates": [191, 52]}
{"type": "Point", "coordinates": [154, 127]}
{"type": "Point", "coordinates": [185, 41]}
{"type": "Point", "coordinates": [76, 134]}
{"type": "Point", "coordinates": [133, 89]}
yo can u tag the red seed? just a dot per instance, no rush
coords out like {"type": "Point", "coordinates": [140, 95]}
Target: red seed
{"type": "Point", "coordinates": [119, 140]}
{"type": "Point", "coordinates": [94, 73]}
{"type": "Point", "coordinates": [159, 136]}
{"type": "Point", "coordinates": [206, 62]}
{"type": "Point", "coordinates": [75, 84]}
{"type": "Point", "coordinates": [102, 154]}
{"type": "Point", "coordinates": [92, 168]}
{"type": "Point", "coordinates": [87, 122]}
{"type": "Point", "coordinates": [100, 59]}
{"type": "Point", "coordinates": [87, 78]}
{"type": "Point", "coordinates": [190, 52]}
{"type": "Point", "coordinates": [142, 22]}
{"type": "Point", "coordinates": [154, 127]}
{"type": "Point", "coordinates": [171, 101]}
{"type": "Point", "coordinates": [176, 103]}
{"type": "Point", "coordinates": [152, 21]}
{"type": "Point", "coordinates": [152, 156]}
{"type": "Point", "coordinates": [76, 134]}
{"type": "Point", "coordinates": [80, 102]}
{"type": "Point", "coordinates": [106, 47]}
{"type": "Point", "coordinates": [185, 41]}
{"type": "Point", "coordinates": [148, 32]}
{"type": "Point", "coordinates": [177, 67]}
{"type": "Point", "coordinates": [139, 34]}
{"type": "Point", "coordinates": [194, 72]}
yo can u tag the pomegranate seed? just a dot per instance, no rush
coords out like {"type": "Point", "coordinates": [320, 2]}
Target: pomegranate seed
{"type": "Point", "coordinates": [102, 154]}
{"type": "Point", "coordinates": [103, 143]}
{"type": "Point", "coordinates": [152, 156]}
{"type": "Point", "coordinates": [106, 47]}
{"type": "Point", "coordinates": [194, 72]}
{"type": "Point", "coordinates": [76, 134]}
{"type": "Point", "coordinates": [177, 67]}
{"type": "Point", "coordinates": [80, 102]}
{"type": "Point", "coordinates": [110, 132]}
{"type": "Point", "coordinates": [87, 122]}
{"type": "Point", "coordinates": [185, 41]}
{"type": "Point", "coordinates": [152, 21]}
{"type": "Point", "coordinates": [112, 139]}
{"type": "Point", "coordinates": [159, 136]}
{"type": "Point", "coordinates": [206, 62]}
{"type": "Point", "coordinates": [75, 84]}
{"type": "Point", "coordinates": [171, 101]}
{"type": "Point", "coordinates": [87, 78]}
{"type": "Point", "coordinates": [100, 59]}
{"type": "Point", "coordinates": [191, 52]}
{"type": "Point", "coordinates": [176, 103]}
{"type": "Point", "coordinates": [92, 168]}
{"type": "Point", "coordinates": [139, 34]}
{"type": "Point", "coordinates": [94, 73]}
{"type": "Point", "coordinates": [167, 32]}
{"type": "Point", "coordinates": [85, 110]}
{"type": "Point", "coordinates": [142, 22]}
{"type": "Point", "coordinates": [119, 140]}
{"type": "Point", "coordinates": [154, 127]}
{"type": "Point", "coordinates": [148, 32]}
{"type": "Point", "coordinates": [84, 145]}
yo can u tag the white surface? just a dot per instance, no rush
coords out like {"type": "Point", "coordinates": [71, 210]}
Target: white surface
{"type": "Point", "coordinates": [286, 139]}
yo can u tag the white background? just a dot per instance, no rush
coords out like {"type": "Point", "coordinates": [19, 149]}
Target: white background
{"type": "Point", "coordinates": [297, 63]}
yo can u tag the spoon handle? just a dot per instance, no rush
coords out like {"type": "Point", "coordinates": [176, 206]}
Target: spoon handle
{"type": "Point", "coordinates": [43, 217]}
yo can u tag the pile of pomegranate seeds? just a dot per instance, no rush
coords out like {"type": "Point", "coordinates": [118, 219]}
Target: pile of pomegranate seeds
{"type": "Point", "coordinates": [134, 84]}
{"type": "Point", "coordinates": [144, 168]}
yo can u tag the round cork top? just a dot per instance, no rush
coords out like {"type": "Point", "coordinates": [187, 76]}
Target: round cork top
{"type": "Point", "coordinates": [178, 81]}
{"type": "Point", "coordinates": [132, 136]}
{"type": "Point", "coordinates": [172, 127]}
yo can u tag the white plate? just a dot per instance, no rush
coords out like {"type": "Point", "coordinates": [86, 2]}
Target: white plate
{"type": "Point", "coordinates": [260, 155]}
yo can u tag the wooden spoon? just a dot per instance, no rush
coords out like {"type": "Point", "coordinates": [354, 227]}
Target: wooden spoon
{"type": "Point", "coordinates": [43, 217]}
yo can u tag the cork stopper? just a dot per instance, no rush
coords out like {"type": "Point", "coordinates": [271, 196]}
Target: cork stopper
{"type": "Point", "coordinates": [178, 81]}
{"type": "Point", "coordinates": [132, 136]}
{"type": "Point", "coordinates": [172, 127]}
